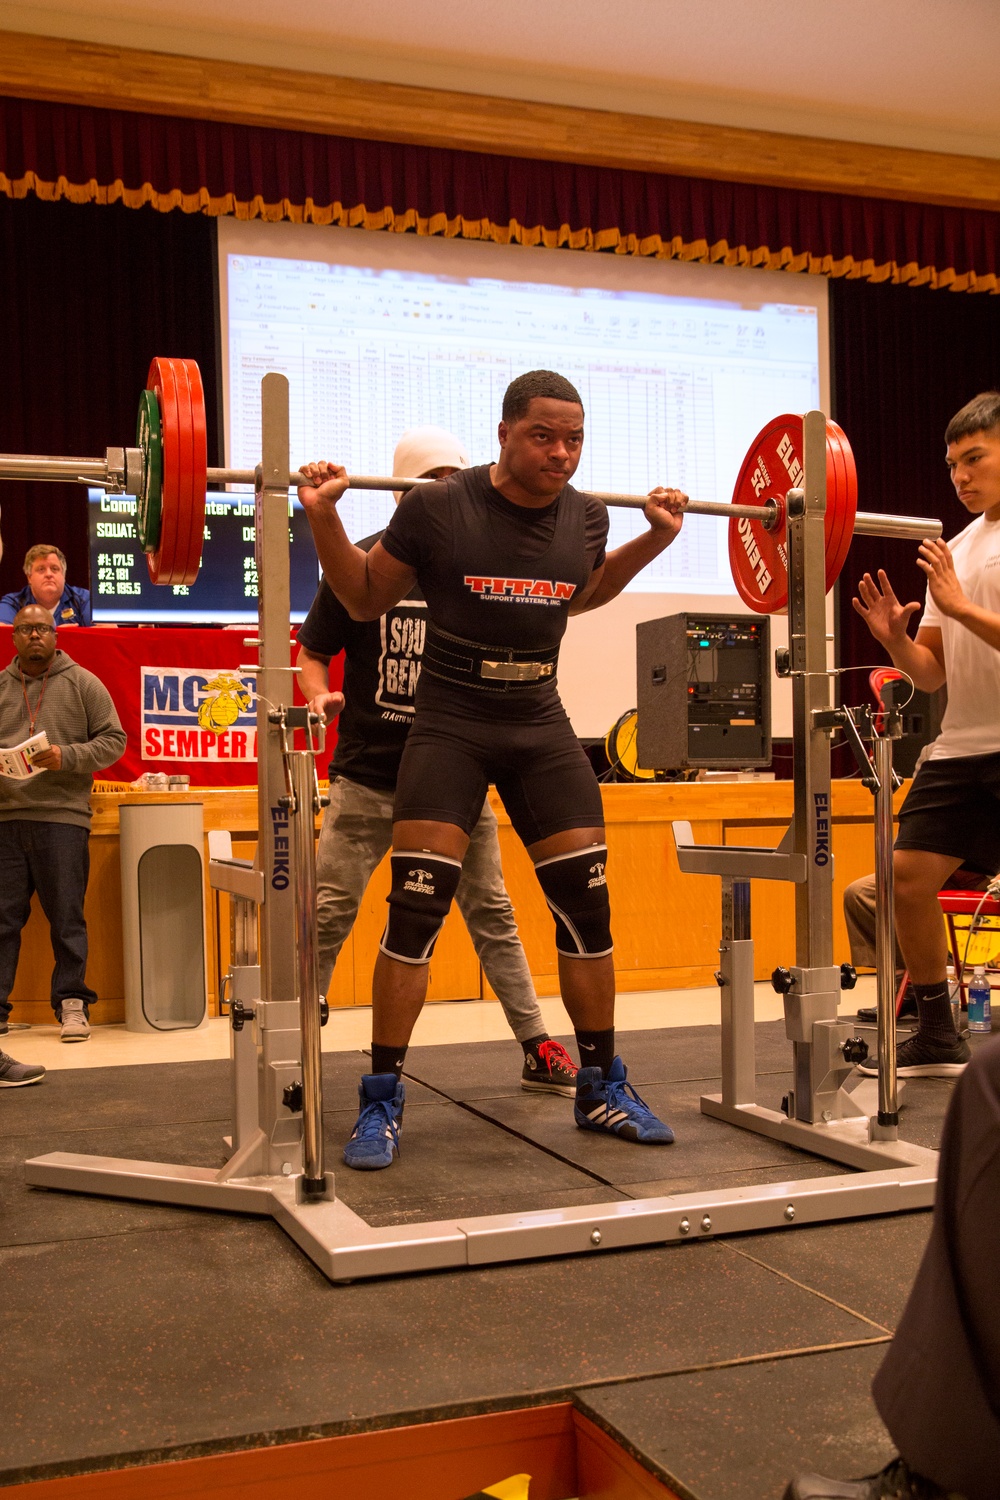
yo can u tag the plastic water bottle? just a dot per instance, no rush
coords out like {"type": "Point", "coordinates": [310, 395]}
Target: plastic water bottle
{"type": "Point", "coordinates": [979, 1001]}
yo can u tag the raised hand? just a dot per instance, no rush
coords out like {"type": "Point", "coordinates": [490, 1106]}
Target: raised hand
{"type": "Point", "coordinates": [882, 612]}
{"type": "Point", "coordinates": [329, 481]}
{"type": "Point", "coordinates": [664, 510]}
{"type": "Point", "coordinates": [942, 581]}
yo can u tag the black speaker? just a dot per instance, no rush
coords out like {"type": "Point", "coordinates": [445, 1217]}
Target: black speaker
{"type": "Point", "coordinates": [704, 692]}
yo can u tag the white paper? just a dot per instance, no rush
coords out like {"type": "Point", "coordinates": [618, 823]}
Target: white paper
{"type": "Point", "coordinates": [16, 761]}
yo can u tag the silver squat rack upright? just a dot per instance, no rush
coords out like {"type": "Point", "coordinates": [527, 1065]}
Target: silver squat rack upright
{"type": "Point", "coordinates": [276, 1165]}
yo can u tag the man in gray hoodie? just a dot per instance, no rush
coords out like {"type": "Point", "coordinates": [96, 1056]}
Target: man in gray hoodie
{"type": "Point", "coordinates": [45, 820]}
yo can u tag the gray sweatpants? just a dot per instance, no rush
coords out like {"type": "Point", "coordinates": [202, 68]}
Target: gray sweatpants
{"type": "Point", "coordinates": [859, 914]}
{"type": "Point", "coordinates": [356, 835]}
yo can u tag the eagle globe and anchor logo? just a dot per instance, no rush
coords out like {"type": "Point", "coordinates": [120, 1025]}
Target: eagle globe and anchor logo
{"type": "Point", "coordinates": [231, 698]}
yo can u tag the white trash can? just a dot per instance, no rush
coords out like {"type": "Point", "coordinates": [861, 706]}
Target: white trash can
{"type": "Point", "coordinates": [163, 915]}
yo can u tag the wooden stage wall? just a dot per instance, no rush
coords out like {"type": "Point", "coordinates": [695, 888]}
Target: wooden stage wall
{"type": "Point", "coordinates": [666, 925]}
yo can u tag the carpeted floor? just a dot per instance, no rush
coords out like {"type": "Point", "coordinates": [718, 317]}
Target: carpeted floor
{"type": "Point", "coordinates": [723, 1366]}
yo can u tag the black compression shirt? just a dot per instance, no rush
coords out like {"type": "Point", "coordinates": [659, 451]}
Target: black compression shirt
{"type": "Point", "coordinates": [496, 573]}
{"type": "Point", "coordinates": [381, 668]}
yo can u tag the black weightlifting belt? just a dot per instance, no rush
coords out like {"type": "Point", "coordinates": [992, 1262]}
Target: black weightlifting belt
{"type": "Point", "coordinates": [492, 669]}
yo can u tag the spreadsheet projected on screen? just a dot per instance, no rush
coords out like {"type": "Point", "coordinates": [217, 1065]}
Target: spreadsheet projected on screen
{"type": "Point", "coordinates": [674, 388]}
{"type": "Point", "coordinates": [678, 367]}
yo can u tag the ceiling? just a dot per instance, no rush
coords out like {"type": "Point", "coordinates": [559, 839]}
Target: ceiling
{"type": "Point", "coordinates": [917, 73]}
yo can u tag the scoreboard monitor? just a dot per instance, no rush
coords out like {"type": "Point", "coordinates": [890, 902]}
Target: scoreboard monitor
{"type": "Point", "coordinates": [225, 592]}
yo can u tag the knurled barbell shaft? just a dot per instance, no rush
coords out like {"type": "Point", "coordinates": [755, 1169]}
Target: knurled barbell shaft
{"type": "Point", "coordinates": [867, 523]}
{"type": "Point", "coordinates": [27, 466]}
{"type": "Point", "coordinates": [377, 482]}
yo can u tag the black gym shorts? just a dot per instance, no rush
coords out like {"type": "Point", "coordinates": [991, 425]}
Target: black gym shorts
{"type": "Point", "coordinates": [953, 808]}
{"type": "Point", "coordinates": [544, 779]}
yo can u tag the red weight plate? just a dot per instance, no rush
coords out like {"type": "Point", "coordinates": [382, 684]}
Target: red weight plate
{"type": "Point", "coordinates": [758, 557]}
{"type": "Point", "coordinates": [188, 536]}
{"type": "Point", "coordinates": [836, 486]}
{"type": "Point", "coordinates": [199, 469]}
{"type": "Point", "coordinates": [849, 503]}
{"type": "Point", "coordinates": [186, 462]}
{"type": "Point", "coordinates": [161, 380]}
{"type": "Point", "coordinates": [184, 471]}
{"type": "Point", "coordinates": [193, 460]}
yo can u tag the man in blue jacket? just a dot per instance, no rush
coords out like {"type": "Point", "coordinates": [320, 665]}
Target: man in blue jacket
{"type": "Point", "coordinates": [45, 569]}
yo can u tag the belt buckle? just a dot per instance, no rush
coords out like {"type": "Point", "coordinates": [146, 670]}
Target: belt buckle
{"type": "Point", "coordinates": [515, 671]}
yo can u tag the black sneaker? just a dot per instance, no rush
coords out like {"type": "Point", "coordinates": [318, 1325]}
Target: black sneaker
{"type": "Point", "coordinates": [896, 1481]}
{"type": "Point", "coordinates": [925, 1057]}
{"type": "Point", "coordinates": [552, 1071]}
{"type": "Point", "coordinates": [907, 1011]}
{"type": "Point", "coordinates": [14, 1075]}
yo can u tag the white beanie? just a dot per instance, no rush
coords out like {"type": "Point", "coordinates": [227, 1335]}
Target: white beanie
{"type": "Point", "coordinates": [421, 449]}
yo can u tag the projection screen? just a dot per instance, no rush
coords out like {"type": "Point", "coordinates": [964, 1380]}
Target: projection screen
{"type": "Point", "coordinates": [679, 366]}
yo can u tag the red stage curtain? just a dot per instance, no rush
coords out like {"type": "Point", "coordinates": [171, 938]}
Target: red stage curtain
{"type": "Point", "coordinates": [105, 156]}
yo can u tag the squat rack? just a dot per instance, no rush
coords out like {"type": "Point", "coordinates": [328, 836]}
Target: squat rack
{"type": "Point", "coordinates": [276, 1167]}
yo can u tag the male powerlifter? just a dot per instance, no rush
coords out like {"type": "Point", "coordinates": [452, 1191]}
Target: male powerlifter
{"type": "Point", "coordinates": [382, 660]}
{"type": "Point", "coordinates": [951, 815]}
{"type": "Point", "coordinates": [503, 553]}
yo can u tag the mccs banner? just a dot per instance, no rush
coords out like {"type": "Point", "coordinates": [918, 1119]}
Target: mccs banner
{"type": "Point", "coordinates": [184, 703]}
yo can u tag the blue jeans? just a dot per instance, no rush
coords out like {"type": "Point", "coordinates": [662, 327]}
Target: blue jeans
{"type": "Point", "coordinates": [54, 860]}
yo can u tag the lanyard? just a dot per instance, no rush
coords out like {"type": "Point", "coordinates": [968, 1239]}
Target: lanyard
{"type": "Point", "coordinates": [33, 717]}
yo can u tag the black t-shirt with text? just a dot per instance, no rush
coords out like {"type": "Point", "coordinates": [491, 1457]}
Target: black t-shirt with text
{"type": "Point", "coordinates": [381, 668]}
{"type": "Point", "coordinates": [497, 574]}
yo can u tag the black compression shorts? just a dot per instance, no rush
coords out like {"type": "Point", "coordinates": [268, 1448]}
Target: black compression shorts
{"type": "Point", "coordinates": [544, 779]}
{"type": "Point", "coordinates": [953, 808]}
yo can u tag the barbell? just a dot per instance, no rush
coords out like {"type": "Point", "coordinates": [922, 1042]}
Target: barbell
{"type": "Point", "coordinates": [167, 472]}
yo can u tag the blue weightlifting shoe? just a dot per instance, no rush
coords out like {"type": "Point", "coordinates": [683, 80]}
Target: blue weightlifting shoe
{"type": "Point", "coordinates": [612, 1106]}
{"type": "Point", "coordinates": [376, 1135]}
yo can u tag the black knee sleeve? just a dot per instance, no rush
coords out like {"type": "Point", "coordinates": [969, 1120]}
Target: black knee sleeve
{"type": "Point", "coordinates": [577, 894]}
{"type": "Point", "coordinates": [422, 889]}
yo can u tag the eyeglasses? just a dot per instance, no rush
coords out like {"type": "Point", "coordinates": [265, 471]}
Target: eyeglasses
{"type": "Point", "coordinates": [34, 630]}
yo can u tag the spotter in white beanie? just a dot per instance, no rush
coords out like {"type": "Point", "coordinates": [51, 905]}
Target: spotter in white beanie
{"type": "Point", "coordinates": [421, 449]}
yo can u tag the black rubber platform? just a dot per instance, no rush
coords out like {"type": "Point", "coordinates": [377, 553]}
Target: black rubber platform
{"type": "Point", "coordinates": [724, 1365]}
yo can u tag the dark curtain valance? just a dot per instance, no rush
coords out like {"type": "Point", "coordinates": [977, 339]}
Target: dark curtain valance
{"type": "Point", "coordinates": [91, 155]}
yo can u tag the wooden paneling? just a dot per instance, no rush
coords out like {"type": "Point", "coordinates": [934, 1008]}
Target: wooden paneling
{"type": "Point", "coordinates": [564, 1453]}
{"type": "Point", "coordinates": [772, 902]}
{"type": "Point", "coordinates": [159, 83]}
{"type": "Point", "coordinates": [428, 1462]}
{"type": "Point", "coordinates": [655, 937]}
{"type": "Point", "coordinates": [606, 1472]}
{"type": "Point", "coordinates": [666, 925]}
